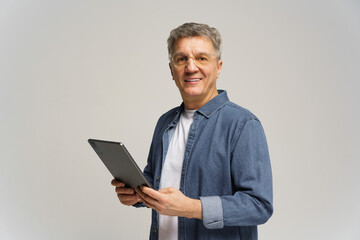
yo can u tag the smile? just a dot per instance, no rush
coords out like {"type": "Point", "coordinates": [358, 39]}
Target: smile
{"type": "Point", "coordinates": [193, 80]}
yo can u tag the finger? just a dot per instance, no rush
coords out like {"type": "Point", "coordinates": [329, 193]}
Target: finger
{"type": "Point", "coordinates": [152, 193]}
{"type": "Point", "coordinates": [127, 198]}
{"type": "Point", "coordinates": [147, 203]}
{"type": "Point", "coordinates": [129, 203]}
{"type": "Point", "coordinates": [122, 190]}
{"type": "Point", "coordinates": [117, 183]}
{"type": "Point", "coordinates": [146, 198]}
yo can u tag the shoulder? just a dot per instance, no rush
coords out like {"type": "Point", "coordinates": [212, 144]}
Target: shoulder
{"type": "Point", "coordinates": [242, 122]}
{"type": "Point", "coordinates": [234, 112]}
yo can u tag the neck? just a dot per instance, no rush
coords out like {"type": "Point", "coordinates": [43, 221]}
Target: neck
{"type": "Point", "coordinates": [196, 102]}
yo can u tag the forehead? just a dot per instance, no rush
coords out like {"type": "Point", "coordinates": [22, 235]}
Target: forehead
{"type": "Point", "coordinates": [193, 44]}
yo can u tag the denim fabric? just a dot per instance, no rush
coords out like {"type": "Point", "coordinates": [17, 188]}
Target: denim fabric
{"type": "Point", "coordinates": [226, 166]}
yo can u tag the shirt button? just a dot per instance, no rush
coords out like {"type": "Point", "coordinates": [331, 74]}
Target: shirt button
{"type": "Point", "coordinates": [154, 230]}
{"type": "Point", "coordinates": [158, 178]}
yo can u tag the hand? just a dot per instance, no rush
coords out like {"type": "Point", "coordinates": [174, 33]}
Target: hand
{"type": "Point", "coordinates": [171, 202]}
{"type": "Point", "coordinates": [127, 196]}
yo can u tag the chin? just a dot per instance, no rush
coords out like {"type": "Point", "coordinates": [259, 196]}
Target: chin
{"type": "Point", "coordinates": [193, 92]}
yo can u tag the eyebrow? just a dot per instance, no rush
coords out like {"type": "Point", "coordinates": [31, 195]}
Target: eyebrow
{"type": "Point", "coordinates": [177, 53]}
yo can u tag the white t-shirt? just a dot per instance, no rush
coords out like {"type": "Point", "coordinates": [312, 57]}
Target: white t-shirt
{"type": "Point", "coordinates": [171, 171]}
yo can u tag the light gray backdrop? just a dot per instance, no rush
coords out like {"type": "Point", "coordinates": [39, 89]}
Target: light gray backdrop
{"type": "Point", "coordinates": [73, 70]}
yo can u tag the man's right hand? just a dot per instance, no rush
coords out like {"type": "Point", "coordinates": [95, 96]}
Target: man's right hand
{"type": "Point", "coordinates": [127, 196]}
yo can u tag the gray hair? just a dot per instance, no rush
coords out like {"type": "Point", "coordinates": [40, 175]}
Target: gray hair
{"type": "Point", "coordinates": [192, 29]}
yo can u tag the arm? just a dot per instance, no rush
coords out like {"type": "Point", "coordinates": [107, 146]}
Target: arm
{"type": "Point", "coordinates": [251, 203]}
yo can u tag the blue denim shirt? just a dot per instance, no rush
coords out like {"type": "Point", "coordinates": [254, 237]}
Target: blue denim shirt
{"type": "Point", "coordinates": [226, 166]}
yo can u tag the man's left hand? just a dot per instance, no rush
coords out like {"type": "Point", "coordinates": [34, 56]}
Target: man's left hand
{"type": "Point", "coordinates": [170, 202]}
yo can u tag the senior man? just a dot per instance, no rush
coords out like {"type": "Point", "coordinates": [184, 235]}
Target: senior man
{"type": "Point", "coordinates": [208, 162]}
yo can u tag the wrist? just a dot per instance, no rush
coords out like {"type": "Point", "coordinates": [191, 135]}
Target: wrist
{"type": "Point", "coordinates": [195, 209]}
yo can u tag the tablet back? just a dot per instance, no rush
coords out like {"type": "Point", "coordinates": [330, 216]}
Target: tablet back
{"type": "Point", "coordinates": [119, 162]}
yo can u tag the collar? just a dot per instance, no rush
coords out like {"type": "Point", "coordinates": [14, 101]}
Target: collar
{"type": "Point", "coordinates": [207, 110]}
{"type": "Point", "coordinates": [214, 104]}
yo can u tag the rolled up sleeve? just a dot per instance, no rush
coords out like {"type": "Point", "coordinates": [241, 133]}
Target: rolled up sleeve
{"type": "Point", "coordinates": [212, 212]}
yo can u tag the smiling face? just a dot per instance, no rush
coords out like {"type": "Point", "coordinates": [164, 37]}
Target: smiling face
{"type": "Point", "coordinates": [196, 83]}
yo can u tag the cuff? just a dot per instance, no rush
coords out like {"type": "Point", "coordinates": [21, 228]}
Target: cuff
{"type": "Point", "coordinates": [212, 212]}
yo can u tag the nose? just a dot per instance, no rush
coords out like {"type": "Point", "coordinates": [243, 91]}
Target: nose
{"type": "Point", "coordinates": [191, 66]}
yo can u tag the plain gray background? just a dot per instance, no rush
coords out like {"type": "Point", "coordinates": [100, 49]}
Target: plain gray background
{"type": "Point", "coordinates": [73, 70]}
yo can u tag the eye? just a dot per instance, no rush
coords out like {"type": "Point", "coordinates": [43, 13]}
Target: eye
{"type": "Point", "coordinates": [202, 58]}
{"type": "Point", "coordinates": [179, 59]}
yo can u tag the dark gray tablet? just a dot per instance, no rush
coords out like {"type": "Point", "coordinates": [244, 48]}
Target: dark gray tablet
{"type": "Point", "coordinates": [119, 162]}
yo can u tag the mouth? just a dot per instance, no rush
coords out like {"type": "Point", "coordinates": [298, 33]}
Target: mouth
{"type": "Point", "coordinates": [192, 79]}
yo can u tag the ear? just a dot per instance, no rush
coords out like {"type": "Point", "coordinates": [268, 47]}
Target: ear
{"type": "Point", "coordinates": [219, 67]}
{"type": "Point", "coordinates": [171, 71]}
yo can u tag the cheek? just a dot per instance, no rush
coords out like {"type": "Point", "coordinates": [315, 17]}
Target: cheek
{"type": "Point", "coordinates": [177, 75]}
{"type": "Point", "coordinates": [211, 74]}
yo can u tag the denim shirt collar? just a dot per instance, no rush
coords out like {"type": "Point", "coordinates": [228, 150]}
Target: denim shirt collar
{"type": "Point", "coordinates": [208, 109]}
{"type": "Point", "coordinates": [214, 104]}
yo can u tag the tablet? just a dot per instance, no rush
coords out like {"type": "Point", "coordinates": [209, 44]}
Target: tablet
{"type": "Point", "coordinates": [119, 162]}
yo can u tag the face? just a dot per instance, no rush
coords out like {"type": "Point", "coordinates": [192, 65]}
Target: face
{"type": "Point", "coordinates": [196, 83]}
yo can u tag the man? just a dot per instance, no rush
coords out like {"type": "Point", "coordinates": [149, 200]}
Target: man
{"type": "Point", "coordinates": [208, 162]}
